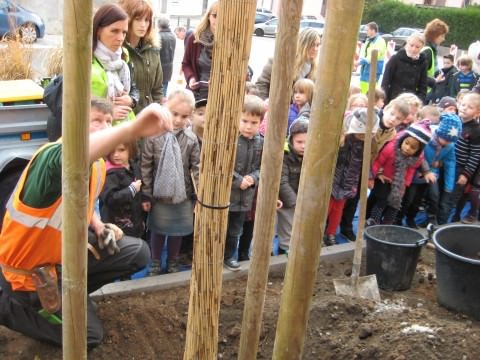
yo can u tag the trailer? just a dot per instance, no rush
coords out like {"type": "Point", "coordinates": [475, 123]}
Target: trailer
{"type": "Point", "coordinates": [23, 129]}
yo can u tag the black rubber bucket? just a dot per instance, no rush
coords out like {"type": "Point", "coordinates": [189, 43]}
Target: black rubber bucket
{"type": "Point", "coordinates": [458, 268]}
{"type": "Point", "coordinates": [392, 255]}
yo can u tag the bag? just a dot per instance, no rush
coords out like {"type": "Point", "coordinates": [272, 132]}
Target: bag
{"type": "Point", "coordinates": [52, 97]}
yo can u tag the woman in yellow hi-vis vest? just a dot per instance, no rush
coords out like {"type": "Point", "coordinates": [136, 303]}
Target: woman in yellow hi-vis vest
{"type": "Point", "coordinates": [435, 32]}
{"type": "Point", "coordinates": [30, 241]}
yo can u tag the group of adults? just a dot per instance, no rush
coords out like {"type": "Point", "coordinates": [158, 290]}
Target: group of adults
{"type": "Point", "coordinates": [425, 65]}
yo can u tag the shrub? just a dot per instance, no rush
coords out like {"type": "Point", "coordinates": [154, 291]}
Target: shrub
{"type": "Point", "coordinates": [16, 60]}
{"type": "Point", "coordinates": [392, 14]}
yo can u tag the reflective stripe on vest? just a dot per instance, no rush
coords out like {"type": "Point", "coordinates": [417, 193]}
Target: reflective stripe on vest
{"type": "Point", "coordinates": [30, 236]}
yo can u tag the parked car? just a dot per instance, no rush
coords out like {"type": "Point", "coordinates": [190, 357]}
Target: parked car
{"type": "Point", "coordinates": [314, 24]}
{"type": "Point", "coordinates": [270, 27]}
{"type": "Point", "coordinates": [308, 17]}
{"type": "Point", "coordinates": [16, 19]}
{"type": "Point", "coordinates": [401, 35]}
{"type": "Point", "coordinates": [261, 17]}
{"type": "Point", "coordinates": [267, 28]}
{"type": "Point", "coordinates": [264, 10]}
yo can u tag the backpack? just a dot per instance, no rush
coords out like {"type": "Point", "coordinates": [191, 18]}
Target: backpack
{"type": "Point", "coordinates": [52, 97]}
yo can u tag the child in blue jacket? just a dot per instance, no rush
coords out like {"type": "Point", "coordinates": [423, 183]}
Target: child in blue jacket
{"type": "Point", "coordinates": [440, 156]}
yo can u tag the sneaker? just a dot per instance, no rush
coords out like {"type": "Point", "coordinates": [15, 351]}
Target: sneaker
{"type": "Point", "coordinates": [349, 235]}
{"type": "Point", "coordinates": [154, 268]}
{"type": "Point", "coordinates": [232, 264]}
{"type": "Point", "coordinates": [411, 223]}
{"type": "Point", "coordinates": [370, 222]}
{"type": "Point", "coordinates": [173, 267]}
{"type": "Point", "coordinates": [330, 240]}
{"type": "Point", "coordinates": [469, 219]}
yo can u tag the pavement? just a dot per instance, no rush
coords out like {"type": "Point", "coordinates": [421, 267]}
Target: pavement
{"type": "Point", "coordinates": [330, 254]}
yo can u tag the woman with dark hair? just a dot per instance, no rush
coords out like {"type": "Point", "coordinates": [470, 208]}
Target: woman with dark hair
{"type": "Point", "coordinates": [435, 32]}
{"type": "Point", "coordinates": [197, 59]}
{"type": "Point", "coordinates": [110, 73]}
{"type": "Point", "coordinates": [143, 50]}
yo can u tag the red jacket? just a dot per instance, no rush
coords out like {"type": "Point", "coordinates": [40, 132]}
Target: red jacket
{"type": "Point", "coordinates": [386, 161]}
{"type": "Point", "coordinates": [190, 58]}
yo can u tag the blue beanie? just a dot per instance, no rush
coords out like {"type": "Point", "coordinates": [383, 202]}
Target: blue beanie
{"type": "Point", "coordinates": [450, 127]}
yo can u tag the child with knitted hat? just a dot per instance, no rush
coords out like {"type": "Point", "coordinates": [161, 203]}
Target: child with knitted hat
{"type": "Point", "coordinates": [290, 179]}
{"type": "Point", "coordinates": [393, 171]}
{"type": "Point", "coordinates": [440, 156]}
{"type": "Point", "coordinates": [347, 171]}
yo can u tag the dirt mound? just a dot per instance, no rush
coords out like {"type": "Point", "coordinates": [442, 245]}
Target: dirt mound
{"type": "Point", "coordinates": [404, 325]}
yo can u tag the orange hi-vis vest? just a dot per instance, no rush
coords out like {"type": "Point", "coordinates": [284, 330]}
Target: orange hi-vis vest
{"type": "Point", "coordinates": [32, 237]}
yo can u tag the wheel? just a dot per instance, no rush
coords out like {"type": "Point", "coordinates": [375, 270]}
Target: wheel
{"type": "Point", "coordinates": [259, 32]}
{"type": "Point", "coordinates": [28, 33]}
{"type": "Point", "coordinates": [7, 184]}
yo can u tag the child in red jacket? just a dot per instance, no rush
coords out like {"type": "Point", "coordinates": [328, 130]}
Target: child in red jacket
{"type": "Point", "coordinates": [393, 170]}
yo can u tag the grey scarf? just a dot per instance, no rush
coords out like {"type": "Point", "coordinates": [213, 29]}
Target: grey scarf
{"type": "Point", "coordinates": [402, 163]}
{"type": "Point", "coordinates": [169, 182]}
{"type": "Point", "coordinates": [207, 38]}
{"type": "Point", "coordinates": [118, 73]}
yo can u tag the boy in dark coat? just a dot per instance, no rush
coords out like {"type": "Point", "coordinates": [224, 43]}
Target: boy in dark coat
{"type": "Point", "coordinates": [292, 165]}
{"type": "Point", "coordinates": [246, 175]}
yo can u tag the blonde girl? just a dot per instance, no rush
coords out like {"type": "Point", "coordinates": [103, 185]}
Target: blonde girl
{"type": "Point", "coordinates": [306, 59]}
{"type": "Point", "coordinates": [168, 163]}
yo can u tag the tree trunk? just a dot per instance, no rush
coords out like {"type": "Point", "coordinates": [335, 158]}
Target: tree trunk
{"type": "Point", "coordinates": [333, 81]}
{"type": "Point", "coordinates": [233, 38]}
{"type": "Point", "coordinates": [77, 40]}
{"type": "Point", "coordinates": [272, 160]}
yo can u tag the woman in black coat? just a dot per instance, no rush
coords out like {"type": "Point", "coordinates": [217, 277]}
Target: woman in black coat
{"type": "Point", "coordinates": [406, 71]}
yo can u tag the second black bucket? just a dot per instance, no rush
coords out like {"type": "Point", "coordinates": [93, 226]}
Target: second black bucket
{"type": "Point", "coordinates": [392, 255]}
{"type": "Point", "coordinates": [458, 268]}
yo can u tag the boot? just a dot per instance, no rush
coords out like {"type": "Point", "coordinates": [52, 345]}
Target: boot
{"type": "Point", "coordinates": [154, 268]}
{"type": "Point", "coordinates": [173, 267]}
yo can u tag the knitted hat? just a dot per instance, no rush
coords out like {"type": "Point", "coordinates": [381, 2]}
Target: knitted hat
{"type": "Point", "coordinates": [421, 132]}
{"type": "Point", "coordinates": [446, 102]}
{"type": "Point", "coordinates": [450, 127]}
{"type": "Point", "coordinates": [299, 126]}
{"type": "Point", "coordinates": [358, 122]}
{"type": "Point", "coordinates": [200, 103]}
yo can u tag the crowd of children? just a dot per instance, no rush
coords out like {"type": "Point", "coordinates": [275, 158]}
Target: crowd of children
{"type": "Point", "coordinates": [423, 157]}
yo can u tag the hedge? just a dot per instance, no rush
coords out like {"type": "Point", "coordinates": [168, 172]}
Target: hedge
{"type": "Point", "coordinates": [464, 23]}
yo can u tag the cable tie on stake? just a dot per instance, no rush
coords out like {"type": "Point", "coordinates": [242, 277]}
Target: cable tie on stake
{"type": "Point", "coordinates": [213, 207]}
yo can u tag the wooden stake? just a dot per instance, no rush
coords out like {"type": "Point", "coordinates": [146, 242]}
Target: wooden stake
{"type": "Point", "coordinates": [272, 160]}
{"type": "Point", "coordinates": [233, 38]}
{"type": "Point", "coordinates": [77, 30]}
{"type": "Point", "coordinates": [331, 88]}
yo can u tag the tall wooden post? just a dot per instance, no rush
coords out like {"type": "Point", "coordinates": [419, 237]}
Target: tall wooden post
{"type": "Point", "coordinates": [233, 38]}
{"type": "Point", "coordinates": [280, 94]}
{"type": "Point", "coordinates": [77, 35]}
{"type": "Point", "coordinates": [333, 80]}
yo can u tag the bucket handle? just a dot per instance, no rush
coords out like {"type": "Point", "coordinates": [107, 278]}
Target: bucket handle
{"type": "Point", "coordinates": [422, 242]}
{"type": "Point", "coordinates": [430, 230]}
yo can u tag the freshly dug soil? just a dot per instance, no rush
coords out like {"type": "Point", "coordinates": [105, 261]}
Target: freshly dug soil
{"type": "Point", "coordinates": [404, 325]}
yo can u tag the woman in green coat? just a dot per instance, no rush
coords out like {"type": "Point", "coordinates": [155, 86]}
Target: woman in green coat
{"type": "Point", "coordinates": [110, 73]}
{"type": "Point", "coordinates": [144, 52]}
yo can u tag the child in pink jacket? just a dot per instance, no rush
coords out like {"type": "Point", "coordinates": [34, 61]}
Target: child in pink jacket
{"type": "Point", "coordinates": [393, 170]}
